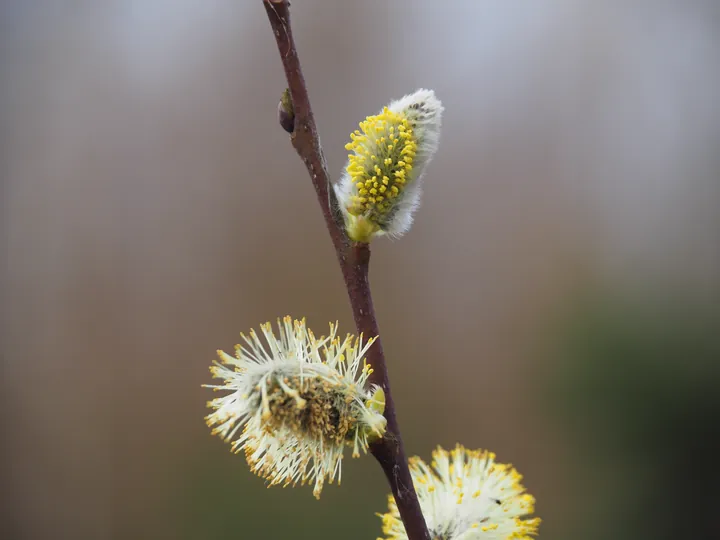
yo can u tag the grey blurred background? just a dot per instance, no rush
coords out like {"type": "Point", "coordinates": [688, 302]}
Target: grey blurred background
{"type": "Point", "coordinates": [556, 301]}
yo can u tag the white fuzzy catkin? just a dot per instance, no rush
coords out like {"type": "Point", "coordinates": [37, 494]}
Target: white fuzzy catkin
{"type": "Point", "coordinates": [294, 402]}
{"type": "Point", "coordinates": [381, 185]}
{"type": "Point", "coordinates": [466, 495]}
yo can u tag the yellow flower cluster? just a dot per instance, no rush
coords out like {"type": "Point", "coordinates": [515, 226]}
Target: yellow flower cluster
{"type": "Point", "coordinates": [465, 495]}
{"type": "Point", "coordinates": [293, 402]}
{"type": "Point", "coordinates": [380, 164]}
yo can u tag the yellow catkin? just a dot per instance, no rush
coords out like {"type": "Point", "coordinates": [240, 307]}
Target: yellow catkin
{"type": "Point", "coordinates": [495, 505]}
{"type": "Point", "coordinates": [380, 164]}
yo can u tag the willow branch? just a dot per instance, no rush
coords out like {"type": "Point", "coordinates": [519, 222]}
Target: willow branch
{"type": "Point", "coordinates": [354, 260]}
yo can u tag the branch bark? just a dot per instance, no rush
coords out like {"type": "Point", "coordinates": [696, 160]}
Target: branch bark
{"type": "Point", "coordinates": [354, 260]}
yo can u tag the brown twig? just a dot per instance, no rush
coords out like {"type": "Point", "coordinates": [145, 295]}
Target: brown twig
{"type": "Point", "coordinates": [354, 262]}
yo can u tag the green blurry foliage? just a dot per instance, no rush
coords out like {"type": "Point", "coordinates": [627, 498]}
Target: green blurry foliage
{"type": "Point", "coordinates": [221, 500]}
{"type": "Point", "coordinates": [637, 389]}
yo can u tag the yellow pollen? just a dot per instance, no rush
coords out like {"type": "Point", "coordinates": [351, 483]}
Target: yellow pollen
{"type": "Point", "coordinates": [379, 162]}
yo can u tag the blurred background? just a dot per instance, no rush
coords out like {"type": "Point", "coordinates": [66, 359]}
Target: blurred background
{"type": "Point", "coordinates": [557, 300]}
